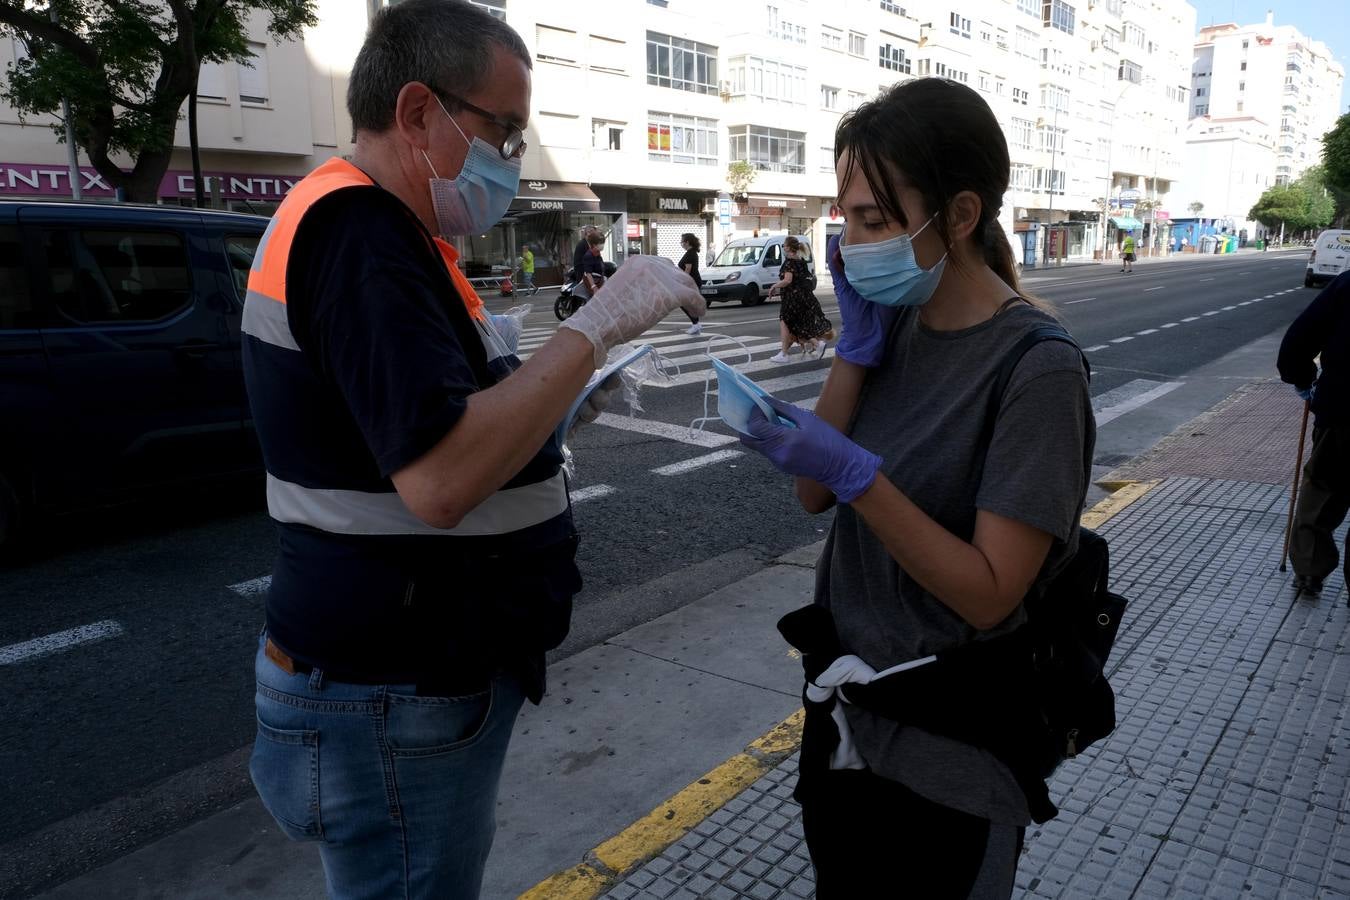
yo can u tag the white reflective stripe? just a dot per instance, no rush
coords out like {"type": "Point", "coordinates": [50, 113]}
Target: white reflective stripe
{"type": "Point", "coordinates": [361, 512]}
{"type": "Point", "coordinates": [265, 319]}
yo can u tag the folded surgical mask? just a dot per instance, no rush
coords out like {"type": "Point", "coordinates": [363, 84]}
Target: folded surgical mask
{"type": "Point", "coordinates": [737, 395]}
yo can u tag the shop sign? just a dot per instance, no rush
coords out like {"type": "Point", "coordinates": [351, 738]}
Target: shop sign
{"type": "Point", "coordinates": [38, 180]}
{"type": "Point", "coordinates": [672, 204]}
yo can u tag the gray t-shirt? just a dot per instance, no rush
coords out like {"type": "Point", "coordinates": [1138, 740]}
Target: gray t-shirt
{"type": "Point", "coordinates": [923, 411]}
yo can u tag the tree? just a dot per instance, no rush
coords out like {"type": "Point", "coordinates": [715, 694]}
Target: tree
{"type": "Point", "coordinates": [126, 66]}
{"type": "Point", "coordinates": [1282, 205]}
{"type": "Point", "coordinates": [740, 175]}
{"type": "Point", "coordinates": [1336, 155]}
{"type": "Point", "coordinates": [1196, 208]}
{"type": "Point", "coordinates": [1320, 206]}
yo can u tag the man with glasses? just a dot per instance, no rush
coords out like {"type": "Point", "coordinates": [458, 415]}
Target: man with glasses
{"type": "Point", "coordinates": [426, 545]}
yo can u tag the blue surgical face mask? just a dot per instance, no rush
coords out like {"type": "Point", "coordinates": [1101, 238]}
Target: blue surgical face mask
{"type": "Point", "coordinates": [737, 395]}
{"type": "Point", "coordinates": [481, 195]}
{"type": "Point", "coordinates": [887, 273]}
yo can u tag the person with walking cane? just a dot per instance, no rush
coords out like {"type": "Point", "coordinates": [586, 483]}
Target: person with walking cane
{"type": "Point", "coordinates": [1324, 495]}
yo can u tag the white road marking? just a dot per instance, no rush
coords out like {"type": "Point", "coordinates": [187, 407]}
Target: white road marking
{"type": "Point", "coordinates": [1206, 279]}
{"type": "Point", "coordinates": [1158, 288]}
{"type": "Point", "coordinates": [697, 462]}
{"type": "Point", "coordinates": [1257, 299]}
{"type": "Point", "coordinates": [1246, 303]}
{"type": "Point", "coordinates": [1147, 331]}
{"type": "Point", "coordinates": [1084, 300]}
{"type": "Point", "coordinates": [1270, 296]}
{"type": "Point", "coordinates": [1128, 397]}
{"type": "Point", "coordinates": [1095, 348]}
{"type": "Point", "coordinates": [252, 587]}
{"type": "Point", "coordinates": [1121, 340]}
{"type": "Point", "coordinates": [730, 353]}
{"type": "Point", "coordinates": [1191, 319]}
{"type": "Point", "coordinates": [680, 433]}
{"type": "Point", "coordinates": [799, 379]}
{"type": "Point", "coordinates": [59, 642]}
{"type": "Point", "coordinates": [1170, 325]}
{"type": "Point", "coordinates": [1212, 312]}
{"type": "Point", "coordinates": [594, 492]}
{"type": "Point", "coordinates": [1227, 308]}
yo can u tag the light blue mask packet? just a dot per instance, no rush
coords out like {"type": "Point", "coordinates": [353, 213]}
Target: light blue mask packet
{"type": "Point", "coordinates": [737, 395]}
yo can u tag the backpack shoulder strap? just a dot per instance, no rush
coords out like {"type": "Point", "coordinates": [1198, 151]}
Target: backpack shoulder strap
{"type": "Point", "coordinates": [1050, 331]}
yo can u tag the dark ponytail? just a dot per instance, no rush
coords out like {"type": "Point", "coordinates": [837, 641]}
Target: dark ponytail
{"type": "Point", "coordinates": [942, 138]}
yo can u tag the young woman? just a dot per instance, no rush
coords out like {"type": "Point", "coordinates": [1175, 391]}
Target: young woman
{"type": "Point", "coordinates": [800, 318]}
{"type": "Point", "coordinates": [689, 263]}
{"type": "Point", "coordinates": [940, 531]}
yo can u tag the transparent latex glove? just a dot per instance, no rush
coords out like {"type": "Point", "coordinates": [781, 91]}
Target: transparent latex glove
{"type": "Point", "coordinates": [596, 403]}
{"type": "Point", "coordinates": [642, 292]}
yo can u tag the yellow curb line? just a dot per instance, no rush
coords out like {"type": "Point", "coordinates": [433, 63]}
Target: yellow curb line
{"type": "Point", "coordinates": [673, 819]}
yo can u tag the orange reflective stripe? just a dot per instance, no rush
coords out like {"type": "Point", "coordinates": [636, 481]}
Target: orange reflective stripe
{"type": "Point", "coordinates": [472, 302]}
{"type": "Point", "coordinates": [270, 277]}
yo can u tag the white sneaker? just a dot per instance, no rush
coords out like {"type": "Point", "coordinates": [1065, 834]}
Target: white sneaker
{"type": "Point", "coordinates": [779, 357]}
{"type": "Point", "coordinates": [696, 328]}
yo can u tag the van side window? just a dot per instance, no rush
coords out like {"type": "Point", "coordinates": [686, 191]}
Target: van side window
{"type": "Point", "coordinates": [118, 276]}
{"type": "Point", "coordinates": [239, 251]}
{"type": "Point", "coordinates": [16, 298]}
{"type": "Point", "coordinates": [774, 256]}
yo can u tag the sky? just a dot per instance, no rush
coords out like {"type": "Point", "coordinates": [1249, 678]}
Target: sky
{"type": "Point", "coordinates": [1322, 20]}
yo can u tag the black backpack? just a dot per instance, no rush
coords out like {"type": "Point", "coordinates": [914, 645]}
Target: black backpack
{"type": "Point", "coordinates": [1073, 616]}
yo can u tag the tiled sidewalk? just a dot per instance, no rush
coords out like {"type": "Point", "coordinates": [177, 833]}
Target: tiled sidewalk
{"type": "Point", "coordinates": [1230, 764]}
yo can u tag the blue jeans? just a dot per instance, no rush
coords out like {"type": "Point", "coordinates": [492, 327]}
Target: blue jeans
{"type": "Point", "coordinates": [400, 790]}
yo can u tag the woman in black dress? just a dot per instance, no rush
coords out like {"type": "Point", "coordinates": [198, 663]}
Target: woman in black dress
{"type": "Point", "coordinates": [800, 318]}
{"type": "Point", "coordinates": [689, 264]}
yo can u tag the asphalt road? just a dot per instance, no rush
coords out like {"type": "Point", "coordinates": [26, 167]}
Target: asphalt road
{"type": "Point", "coordinates": [168, 592]}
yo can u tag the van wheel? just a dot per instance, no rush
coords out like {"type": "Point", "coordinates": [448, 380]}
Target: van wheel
{"type": "Point", "coordinates": [1307, 281]}
{"type": "Point", "coordinates": [751, 296]}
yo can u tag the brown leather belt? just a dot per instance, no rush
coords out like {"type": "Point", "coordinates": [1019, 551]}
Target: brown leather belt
{"type": "Point", "coordinates": [283, 660]}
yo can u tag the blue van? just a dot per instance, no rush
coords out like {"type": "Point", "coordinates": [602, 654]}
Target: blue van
{"type": "Point", "coordinates": [119, 352]}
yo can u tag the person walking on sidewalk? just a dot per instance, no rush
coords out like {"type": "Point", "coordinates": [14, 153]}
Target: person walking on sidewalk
{"type": "Point", "coordinates": [1324, 496]}
{"type": "Point", "coordinates": [800, 318]}
{"type": "Point", "coordinates": [940, 530]}
{"type": "Point", "coordinates": [426, 543]}
{"type": "Point", "coordinates": [689, 264]}
{"type": "Point", "coordinates": [1127, 253]}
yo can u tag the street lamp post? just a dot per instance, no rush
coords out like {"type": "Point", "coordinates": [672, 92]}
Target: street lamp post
{"type": "Point", "coordinates": [1110, 165]}
{"type": "Point", "coordinates": [1050, 185]}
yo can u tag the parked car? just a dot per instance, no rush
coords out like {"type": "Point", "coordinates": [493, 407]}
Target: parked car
{"type": "Point", "coordinates": [119, 353]}
{"type": "Point", "coordinates": [1330, 257]}
{"type": "Point", "coordinates": [747, 267]}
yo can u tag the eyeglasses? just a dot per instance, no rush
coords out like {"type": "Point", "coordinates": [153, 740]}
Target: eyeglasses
{"type": "Point", "coordinates": [514, 142]}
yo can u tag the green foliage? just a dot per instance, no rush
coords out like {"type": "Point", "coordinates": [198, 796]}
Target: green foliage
{"type": "Point", "coordinates": [1196, 208]}
{"type": "Point", "coordinates": [740, 175]}
{"type": "Point", "coordinates": [126, 66]}
{"type": "Point", "coordinates": [1303, 205]}
{"type": "Point", "coordinates": [1336, 155]}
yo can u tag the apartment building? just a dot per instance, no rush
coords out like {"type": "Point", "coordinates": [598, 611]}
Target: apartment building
{"type": "Point", "coordinates": [639, 108]}
{"type": "Point", "coordinates": [1263, 96]}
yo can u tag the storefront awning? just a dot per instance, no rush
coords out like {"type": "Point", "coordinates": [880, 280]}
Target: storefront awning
{"type": "Point", "coordinates": [1126, 223]}
{"type": "Point", "coordinates": [555, 196]}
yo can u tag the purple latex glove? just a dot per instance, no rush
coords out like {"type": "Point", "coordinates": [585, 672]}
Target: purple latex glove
{"type": "Point", "coordinates": [862, 340]}
{"type": "Point", "coordinates": [814, 449]}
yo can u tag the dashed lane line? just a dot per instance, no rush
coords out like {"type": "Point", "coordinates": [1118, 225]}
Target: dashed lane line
{"type": "Point", "coordinates": [1212, 312]}
{"type": "Point", "coordinates": [1146, 331]}
{"type": "Point", "coordinates": [1191, 319]}
{"type": "Point", "coordinates": [698, 462]}
{"type": "Point", "coordinates": [1095, 348]}
{"type": "Point", "coordinates": [58, 642]}
{"type": "Point", "coordinates": [1158, 288]}
{"type": "Point", "coordinates": [1084, 300]}
{"type": "Point", "coordinates": [1170, 325]}
{"type": "Point", "coordinates": [1121, 340]}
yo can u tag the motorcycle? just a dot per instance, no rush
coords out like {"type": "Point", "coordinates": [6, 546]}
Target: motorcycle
{"type": "Point", "coordinates": [569, 301]}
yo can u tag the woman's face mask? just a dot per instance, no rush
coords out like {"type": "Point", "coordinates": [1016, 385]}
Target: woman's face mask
{"type": "Point", "coordinates": [886, 272]}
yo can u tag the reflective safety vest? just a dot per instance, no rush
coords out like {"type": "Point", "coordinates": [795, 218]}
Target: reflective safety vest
{"type": "Point", "coordinates": [343, 528]}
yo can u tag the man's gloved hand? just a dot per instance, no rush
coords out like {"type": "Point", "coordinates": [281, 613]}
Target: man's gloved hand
{"type": "Point", "coordinates": [642, 292]}
{"type": "Point", "coordinates": [814, 449]}
{"type": "Point", "coordinates": [1308, 393]}
{"type": "Point", "coordinates": [596, 403]}
{"type": "Point", "coordinates": [866, 325]}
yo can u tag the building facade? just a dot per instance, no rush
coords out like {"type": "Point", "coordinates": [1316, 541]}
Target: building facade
{"type": "Point", "coordinates": [638, 114]}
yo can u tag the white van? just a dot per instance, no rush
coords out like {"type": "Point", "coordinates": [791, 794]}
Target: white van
{"type": "Point", "coordinates": [1330, 257]}
{"type": "Point", "coordinates": [747, 267]}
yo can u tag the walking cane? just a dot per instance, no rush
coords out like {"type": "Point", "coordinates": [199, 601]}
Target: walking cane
{"type": "Point", "coordinates": [1293, 495]}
